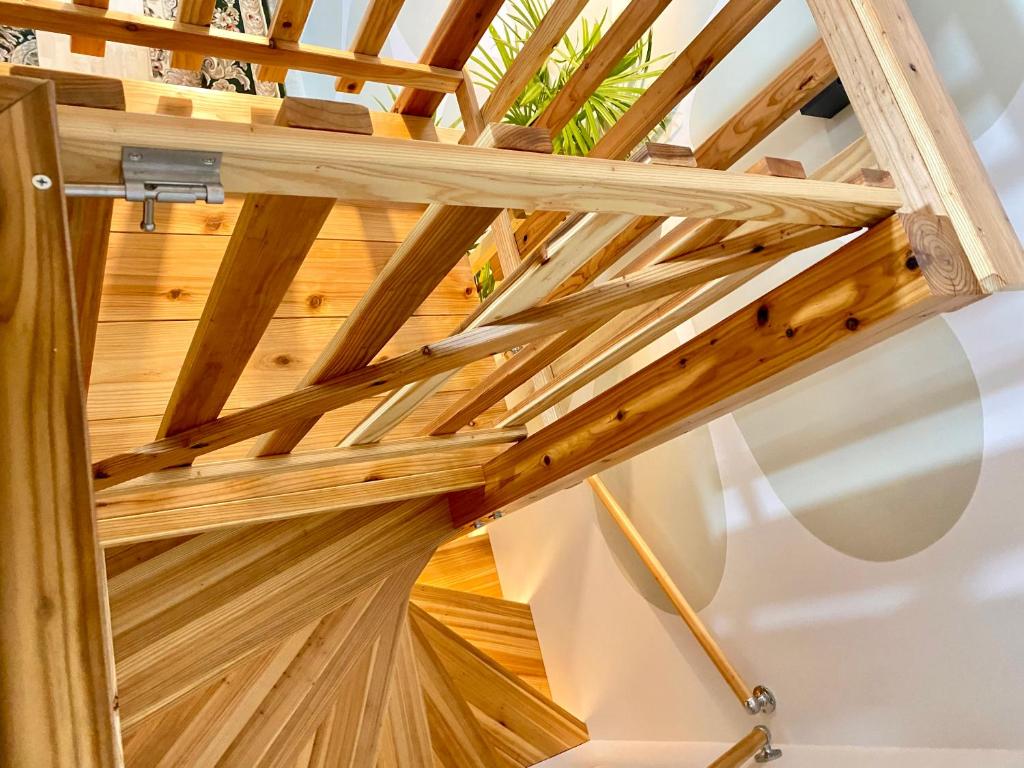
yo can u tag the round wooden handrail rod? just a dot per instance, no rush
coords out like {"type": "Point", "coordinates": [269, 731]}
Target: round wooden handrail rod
{"type": "Point", "coordinates": [756, 744]}
{"type": "Point", "coordinates": [753, 700]}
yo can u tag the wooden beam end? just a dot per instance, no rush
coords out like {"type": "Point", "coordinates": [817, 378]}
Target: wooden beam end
{"type": "Point", "coordinates": [323, 115]}
{"type": "Point", "coordinates": [522, 138]}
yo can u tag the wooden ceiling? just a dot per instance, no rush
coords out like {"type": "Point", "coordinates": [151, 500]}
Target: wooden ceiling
{"type": "Point", "coordinates": [293, 403]}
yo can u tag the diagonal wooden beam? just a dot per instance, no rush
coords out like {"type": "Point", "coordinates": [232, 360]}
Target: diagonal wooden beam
{"type": "Point", "coordinates": [729, 26]}
{"type": "Point", "coordinates": [378, 19]}
{"type": "Point", "coordinates": [405, 736]}
{"type": "Point", "coordinates": [286, 27]}
{"type": "Point", "coordinates": [804, 325]}
{"type": "Point", "coordinates": [628, 27]}
{"type": "Point", "coordinates": [59, 706]}
{"type": "Point", "coordinates": [531, 57]}
{"type": "Point", "coordinates": [239, 592]}
{"type": "Point", "coordinates": [442, 236]}
{"type": "Point", "coordinates": [915, 128]}
{"type": "Point", "coordinates": [135, 29]}
{"type": "Point", "coordinates": [453, 42]}
{"type": "Point", "coordinates": [268, 246]}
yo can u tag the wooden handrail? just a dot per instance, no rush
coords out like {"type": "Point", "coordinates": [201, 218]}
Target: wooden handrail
{"type": "Point", "coordinates": [683, 608]}
{"type": "Point", "coordinates": [754, 742]}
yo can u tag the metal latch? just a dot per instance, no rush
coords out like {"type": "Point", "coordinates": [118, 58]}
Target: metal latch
{"type": "Point", "coordinates": [160, 175]}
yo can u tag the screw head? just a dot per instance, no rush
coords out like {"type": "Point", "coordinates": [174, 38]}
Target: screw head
{"type": "Point", "coordinates": [42, 181]}
{"type": "Point", "coordinates": [207, 161]}
{"type": "Point", "coordinates": [135, 156]}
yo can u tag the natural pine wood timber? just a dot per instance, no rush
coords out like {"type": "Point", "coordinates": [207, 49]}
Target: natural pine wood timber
{"type": "Point", "coordinates": [916, 130]}
{"type": "Point", "coordinates": [296, 162]}
{"type": "Point", "coordinates": [198, 13]}
{"type": "Point", "coordinates": [700, 633]}
{"type": "Point", "coordinates": [59, 705]}
{"type": "Point", "coordinates": [631, 23]}
{"type": "Point", "coordinates": [456, 738]}
{"type": "Point", "coordinates": [626, 335]}
{"type": "Point", "coordinates": [742, 751]}
{"type": "Point", "coordinates": [535, 358]}
{"type": "Point", "coordinates": [89, 46]}
{"type": "Point", "coordinates": [466, 565]}
{"type": "Point", "coordinates": [236, 593]}
{"type": "Point", "coordinates": [531, 57]}
{"type": "Point", "coordinates": [729, 26]}
{"type": "Point", "coordinates": [454, 39]}
{"type": "Point", "coordinates": [522, 726]}
{"type": "Point", "coordinates": [117, 524]}
{"type": "Point", "coordinates": [289, 20]}
{"type": "Point", "coordinates": [807, 323]}
{"type": "Point", "coordinates": [405, 735]}
{"type": "Point", "coordinates": [378, 19]}
{"type": "Point", "coordinates": [448, 354]}
{"type": "Point", "coordinates": [422, 449]}
{"type": "Point", "coordinates": [77, 89]}
{"type": "Point", "coordinates": [260, 264]}
{"type": "Point", "coordinates": [441, 238]}
{"type": "Point", "coordinates": [502, 629]}
{"type": "Point", "coordinates": [531, 283]}
{"type": "Point", "coordinates": [135, 29]}
{"type": "Point", "coordinates": [346, 664]}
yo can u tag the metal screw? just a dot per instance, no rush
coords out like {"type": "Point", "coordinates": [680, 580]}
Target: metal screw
{"type": "Point", "coordinates": [208, 161]}
{"type": "Point", "coordinates": [41, 181]}
{"type": "Point", "coordinates": [134, 156]}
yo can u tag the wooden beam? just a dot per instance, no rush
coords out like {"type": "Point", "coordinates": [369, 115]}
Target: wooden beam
{"type": "Point", "coordinates": [631, 23]}
{"type": "Point", "coordinates": [423, 449]}
{"type": "Point", "coordinates": [59, 707]}
{"type": "Point", "coordinates": [405, 736]}
{"type": "Point", "coordinates": [269, 244]}
{"type": "Point", "coordinates": [88, 218]}
{"type": "Point", "coordinates": [287, 25]}
{"type": "Point", "coordinates": [89, 46]}
{"type": "Point", "coordinates": [804, 325]}
{"type": "Point", "coordinates": [198, 13]}
{"type": "Point", "coordinates": [237, 593]}
{"type": "Point", "coordinates": [442, 236]}
{"type": "Point", "coordinates": [915, 128]}
{"type": "Point", "coordinates": [531, 57]}
{"type": "Point", "coordinates": [388, 170]}
{"type": "Point", "coordinates": [135, 29]}
{"type": "Point", "coordinates": [378, 19]}
{"type": "Point", "coordinates": [453, 42]}
{"type": "Point", "coordinates": [742, 751]}
{"type": "Point", "coordinates": [729, 26]}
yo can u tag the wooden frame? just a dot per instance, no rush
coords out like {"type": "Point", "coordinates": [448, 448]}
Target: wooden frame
{"type": "Point", "coordinates": [260, 608]}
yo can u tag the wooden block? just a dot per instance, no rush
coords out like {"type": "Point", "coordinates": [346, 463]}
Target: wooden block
{"type": "Point", "coordinates": [667, 154]}
{"type": "Point", "coordinates": [873, 177]}
{"type": "Point", "coordinates": [515, 137]}
{"type": "Point", "coordinates": [79, 90]}
{"type": "Point", "coordinates": [777, 166]}
{"type": "Point", "coordinates": [322, 115]}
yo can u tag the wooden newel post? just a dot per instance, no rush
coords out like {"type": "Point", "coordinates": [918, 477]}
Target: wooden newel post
{"type": "Point", "coordinates": [57, 706]}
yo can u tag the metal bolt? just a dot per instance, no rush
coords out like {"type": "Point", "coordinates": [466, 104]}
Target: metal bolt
{"type": "Point", "coordinates": [41, 181]}
{"type": "Point", "coordinates": [135, 156]}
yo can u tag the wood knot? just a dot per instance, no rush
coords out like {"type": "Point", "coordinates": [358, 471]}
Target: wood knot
{"type": "Point", "coordinates": [546, 460]}
{"type": "Point", "coordinates": [198, 446]}
{"type": "Point", "coordinates": [682, 362]}
{"type": "Point", "coordinates": [131, 27]}
{"type": "Point", "coordinates": [315, 301]}
{"type": "Point", "coordinates": [620, 415]}
{"type": "Point", "coordinates": [852, 323]}
{"type": "Point", "coordinates": [99, 474]}
{"type": "Point", "coordinates": [282, 360]}
{"type": "Point", "coordinates": [469, 290]}
{"type": "Point", "coordinates": [426, 350]}
{"type": "Point", "coordinates": [911, 263]}
{"type": "Point", "coordinates": [790, 333]}
{"type": "Point", "coordinates": [175, 293]}
{"type": "Point", "coordinates": [762, 315]}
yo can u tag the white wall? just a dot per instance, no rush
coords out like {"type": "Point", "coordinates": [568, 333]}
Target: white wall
{"type": "Point", "coordinates": [918, 652]}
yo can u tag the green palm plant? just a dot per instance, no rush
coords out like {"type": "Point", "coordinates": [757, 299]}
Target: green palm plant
{"type": "Point", "coordinates": [606, 105]}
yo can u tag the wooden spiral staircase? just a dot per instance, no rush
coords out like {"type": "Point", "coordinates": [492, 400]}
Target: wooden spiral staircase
{"type": "Point", "coordinates": [467, 688]}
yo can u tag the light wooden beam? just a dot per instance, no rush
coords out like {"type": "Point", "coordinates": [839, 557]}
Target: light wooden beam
{"type": "Point", "coordinates": [405, 736]}
{"type": "Point", "coordinates": [631, 23]}
{"type": "Point", "coordinates": [378, 19]}
{"type": "Point", "coordinates": [59, 706]}
{"type": "Point", "coordinates": [88, 218]}
{"type": "Point", "coordinates": [287, 25]}
{"type": "Point", "coordinates": [126, 522]}
{"type": "Point", "coordinates": [375, 169]}
{"type": "Point", "coordinates": [135, 29]}
{"type": "Point", "coordinates": [198, 13]}
{"type": "Point", "coordinates": [729, 26]}
{"type": "Point", "coordinates": [531, 57]}
{"type": "Point", "coordinates": [89, 46]}
{"type": "Point", "coordinates": [442, 236]}
{"type": "Point", "coordinates": [453, 42]}
{"type": "Point", "coordinates": [917, 132]}
{"type": "Point", "coordinates": [272, 237]}
{"type": "Point", "coordinates": [804, 325]}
